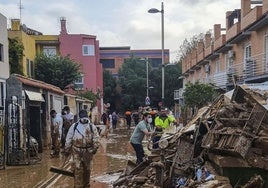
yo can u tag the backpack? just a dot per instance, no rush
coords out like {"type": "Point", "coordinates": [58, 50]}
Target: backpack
{"type": "Point", "coordinates": [75, 128]}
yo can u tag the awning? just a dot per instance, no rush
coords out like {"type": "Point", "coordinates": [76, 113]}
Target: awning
{"type": "Point", "coordinates": [34, 96]}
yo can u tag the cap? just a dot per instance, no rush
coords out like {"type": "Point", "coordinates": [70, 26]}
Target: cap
{"type": "Point", "coordinates": [145, 113]}
{"type": "Point", "coordinates": [83, 114]}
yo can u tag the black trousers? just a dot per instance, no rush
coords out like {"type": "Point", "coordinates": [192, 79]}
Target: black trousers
{"type": "Point", "coordinates": [139, 152]}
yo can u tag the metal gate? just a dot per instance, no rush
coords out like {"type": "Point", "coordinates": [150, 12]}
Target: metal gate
{"type": "Point", "coordinates": [20, 147]}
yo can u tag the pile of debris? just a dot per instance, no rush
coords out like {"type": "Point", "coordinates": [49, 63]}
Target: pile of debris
{"type": "Point", "coordinates": [224, 145]}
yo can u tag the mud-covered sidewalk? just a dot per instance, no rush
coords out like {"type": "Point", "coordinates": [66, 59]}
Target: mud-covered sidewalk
{"type": "Point", "coordinates": [111, 156]}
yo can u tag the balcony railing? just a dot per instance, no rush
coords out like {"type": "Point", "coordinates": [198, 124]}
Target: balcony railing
{"type": "Point", "coordinates": [250, 70]}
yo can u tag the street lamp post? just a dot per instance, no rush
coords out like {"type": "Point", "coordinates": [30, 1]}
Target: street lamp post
{"type": "Point", "coordinates": [154, 10]}
{"type": "Point", "coordinates": [147, 78]}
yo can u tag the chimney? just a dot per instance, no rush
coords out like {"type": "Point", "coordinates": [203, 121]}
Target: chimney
{"type": "Point", "coordinates": [207, 40]}
{"type": "Point", "coordinates": [245, 7]}
{"type": "Point", "coordinates": [15, 24]}
{"type": "Point", "coordinates": [265, 7]}
{"type": "Point", "coordinates": [217, 31]}
{"type": "Point", "coordinates": [63, 25]}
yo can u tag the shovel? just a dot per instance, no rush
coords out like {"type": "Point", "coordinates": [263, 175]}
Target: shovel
{"type": "Point", "coordinates": [61, 170]}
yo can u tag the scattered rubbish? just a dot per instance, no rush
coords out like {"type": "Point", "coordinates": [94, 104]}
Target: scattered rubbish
{"type": "Point", "coordinates": [223, 145]}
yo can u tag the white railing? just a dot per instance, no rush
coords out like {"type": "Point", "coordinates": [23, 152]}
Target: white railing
{"type": "Point", "coordinates": [251, 68]}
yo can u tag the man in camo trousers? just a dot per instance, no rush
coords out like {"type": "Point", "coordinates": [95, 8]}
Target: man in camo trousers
{"type": "Point", "coordinates": [82, 143]}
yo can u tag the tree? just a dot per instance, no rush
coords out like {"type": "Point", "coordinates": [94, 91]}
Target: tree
{"type": "Point", "coordinates": [172, 82]}
{"type": "Point", "coordinates": [88, 94]}
{"type": "Point", "coordinates": [198, 94]}
{"type": "Point", "coordinates": [56, 70]}
{"type": "Point", "coordinates": [15, 51]}
{"type": "Point", "coordinates": [187, 46]}
{"type": "Point", "coordinates": [109, 88]}
{"type": "Point", "coordinates": [132, 80]}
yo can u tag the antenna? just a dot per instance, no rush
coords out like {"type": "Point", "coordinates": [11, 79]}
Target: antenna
{"type": "Point", "coordinates": [20, 8]}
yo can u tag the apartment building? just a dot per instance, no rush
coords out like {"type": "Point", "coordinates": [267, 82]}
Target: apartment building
{"type": "Point", "coordinates": [84, 49]}
{"type": "Point", "coordinates": [234, 54]}
{"type": "Point", "coordinates": [4, 63]}
{"type": "Point", "coordinates": [47, 44]}
{"type": "Point", "coordinates": [24, 35]}
{"type": "Point", "coordinates": [112, 58]}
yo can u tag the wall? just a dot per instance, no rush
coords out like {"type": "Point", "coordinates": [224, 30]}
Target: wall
{"type": "Point", "coordinates": [4, 65]}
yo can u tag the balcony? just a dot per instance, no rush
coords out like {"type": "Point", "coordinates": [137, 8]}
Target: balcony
{"type": "Point", "coordinates": [208, 50]}
{"type": "Point", "coordinates": [219, 42]}
{"type": "Point", "coordinates": [252, 70]}
{"type": "Point", "coordinates": [233, 31]}
{"type": "Point", "coordinates": [251, 17]}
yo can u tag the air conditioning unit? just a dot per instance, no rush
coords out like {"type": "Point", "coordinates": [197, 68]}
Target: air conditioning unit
{"type": "Point", "coordinates": [207, 68]}
{"type": "Point", "coordinates": [231, 54]}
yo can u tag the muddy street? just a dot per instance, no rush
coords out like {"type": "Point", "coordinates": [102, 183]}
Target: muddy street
{"type": "Point", "coordinates": [111, 157]}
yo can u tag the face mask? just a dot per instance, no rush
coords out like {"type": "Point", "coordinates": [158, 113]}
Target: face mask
{"type": "Point", "coordinates": [149, 120]}
{"type": "Point", "coordinates": [84, 120]}
{"type": "Point", "coordinates": [163, 115]}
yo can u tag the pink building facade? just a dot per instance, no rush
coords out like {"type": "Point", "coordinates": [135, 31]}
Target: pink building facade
{"type": "Point", "coordinates": [83, 49]}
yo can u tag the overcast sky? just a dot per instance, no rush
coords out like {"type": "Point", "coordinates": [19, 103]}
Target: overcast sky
{"type": "Point", "coordinates": [123, 22]}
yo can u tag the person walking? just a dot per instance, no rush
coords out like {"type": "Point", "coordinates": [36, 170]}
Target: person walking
{"type": "Point", "coordinates": [104, 119]}
{"type": "Point", "coordinates": [143, 128]}
{"type": "Point", "coordinates": [128, 118]}
{"type": "Point", "coordinates": [114, 119]}
{"type": "Point", "coordinates": [82, 142]}
{"type": "Point", "coordinates": [68, 118]}
{"type": "Point", "coordinates": [110, 119]}
{"type": "Point", "coordinates": [136, 117]}
{"type": "Point", "coordinates": [56, 132]}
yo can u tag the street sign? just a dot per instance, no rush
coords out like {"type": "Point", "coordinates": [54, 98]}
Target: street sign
{"type": "Point", "coordinates": [147, 101]}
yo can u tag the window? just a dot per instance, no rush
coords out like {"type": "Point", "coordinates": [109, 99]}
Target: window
{"type": "Point", "coordinates": [249, 63]}
{"type": "Point", "coordinates": [266, 52]}
{"type": "Point", "coordinates": [30, 68]}
{"type": "Point", "coordinates": [88, 50]}
{"type": "Point", "coordinates": [217, 66]}
{"type": "Point", "coordinates": [49, 50]}
{"type": "Point", "coordinates": [79, 83]}
{"type": "Point", "coordinates": [108, 63]}
{"type": "Point", "coordinates": [155, 62]}
{"type": "Point", "coordinates": [1, 52]}
{"type": "Point", "coordinates": [228, 61]}
{"type": "Point", "coordinates": [1, 94]}
{"type": "Point", "coordinates": [247, 52]}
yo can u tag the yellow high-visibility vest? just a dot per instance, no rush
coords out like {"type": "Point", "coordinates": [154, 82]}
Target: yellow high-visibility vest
{"type": "Point", "coordinates": [164, 123]}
